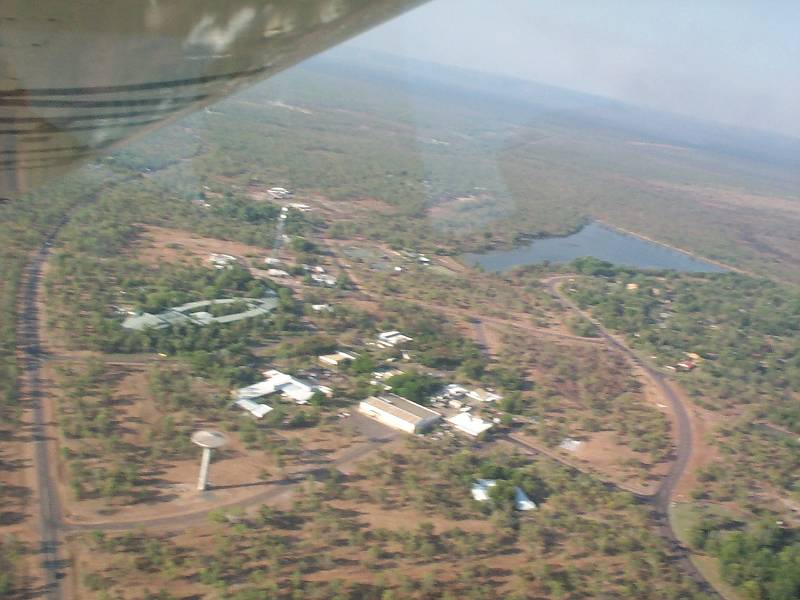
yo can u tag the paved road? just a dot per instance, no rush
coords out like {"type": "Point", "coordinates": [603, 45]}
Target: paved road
{"type": "Point", "coordinates": [683, 445]}
{"type": "Point", "coordinates": [29, 344]}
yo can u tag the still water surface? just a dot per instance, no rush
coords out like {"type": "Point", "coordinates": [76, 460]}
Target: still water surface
{"type": "Point", "coordinates": [599, 242]}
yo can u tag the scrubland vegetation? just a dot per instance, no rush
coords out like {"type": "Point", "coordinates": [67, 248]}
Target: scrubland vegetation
{"type": "Point", "coordinates": [445, 545]}
{"type": "Point", "coordinates": [740, 335]}
{"type": "Point", "coordinates": [761, 559]}
{"type": "Point", "coordinates": [455, 177]}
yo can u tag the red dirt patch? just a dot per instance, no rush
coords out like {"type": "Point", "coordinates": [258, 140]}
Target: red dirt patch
{"type": "Point", "coordinates": [160, 244]}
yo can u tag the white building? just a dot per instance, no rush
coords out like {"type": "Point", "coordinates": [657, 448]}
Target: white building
{"type": "Point", "coordinates": [399, 413]}
{"type": "Point", "coordinates": [386, 372]}
{"type": "Point", "coordinates": [336, 358]}
{"type": "Point", "coordinates": [324, 279]}
{"type": "Point", "coordinates": [277, 273]}
{"type": "Point", "coordinates": [277, 382]}
{"type": "Point", "coordinates": [321, 308]}
{"type": "Point", "coordinates": [389, 339]}
{"type": "Point", "coordinates": [570, 444]}
{"type": "Point", "coordinates": [521, 500]}
{"type": "Point", "coordinates": [254, 408]}
{"type": "Point", "coordinates": [482, 395]}
{"type": "Point", "coordinates": [453, 390]}
{"type": "Point", "coordinates": [470, 424]}
{"type": "Point", "coordinates": [279, 193]}
{"type": "Point", "coordinates": [480, 489]}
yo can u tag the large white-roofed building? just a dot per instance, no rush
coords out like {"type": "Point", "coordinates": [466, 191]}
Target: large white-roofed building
{"type": "Point", "coordinates": [399, 413]}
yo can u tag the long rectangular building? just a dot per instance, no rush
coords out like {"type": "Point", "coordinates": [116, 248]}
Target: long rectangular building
{"type": "Point", "coordinates": [399, 413]}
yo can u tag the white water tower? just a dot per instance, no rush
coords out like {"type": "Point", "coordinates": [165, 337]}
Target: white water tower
{"type": "Point", "coordinates": [207, 440]}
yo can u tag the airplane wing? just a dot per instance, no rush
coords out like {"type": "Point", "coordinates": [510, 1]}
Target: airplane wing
{"type": "Point", "coordinates": [78, 78]}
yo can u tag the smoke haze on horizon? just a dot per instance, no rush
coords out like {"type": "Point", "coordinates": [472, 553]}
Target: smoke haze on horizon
{"type": "Point", "coordinates": [730, 61]}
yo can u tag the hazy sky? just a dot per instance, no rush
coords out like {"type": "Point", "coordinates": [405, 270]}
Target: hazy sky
{"type": "Point", "coordinates": [735, 61]}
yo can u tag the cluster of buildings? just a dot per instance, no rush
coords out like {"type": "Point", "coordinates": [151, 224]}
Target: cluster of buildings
{"type": "Point", "coordinates": [275, 382]}
{"type": "Point", "coordinates": [402, 414]}
{"type": "Point", "coordinates": [317, 273]}
{"type": "Point", "coordinates": [454, 393]}
{"type": "Point", "coordinates": [450, 407]}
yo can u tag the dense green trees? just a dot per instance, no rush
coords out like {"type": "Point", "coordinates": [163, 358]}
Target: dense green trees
{"type": "Point", "coordinates": [24, 225]}
{"type": "Point", "coordinates": [746, 330]}
{"type": "Point", "coordinates": [762, 560]}
{"type": "Point", "coordinates": [415, 386]}
{"type": "Point", "coordinates": [437, 344]}
{"type": "Point", "coordinates": [239, 209]}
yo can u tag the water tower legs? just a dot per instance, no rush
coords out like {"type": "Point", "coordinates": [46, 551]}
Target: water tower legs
{"type": "Point", "coordinates": [202, 481]}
